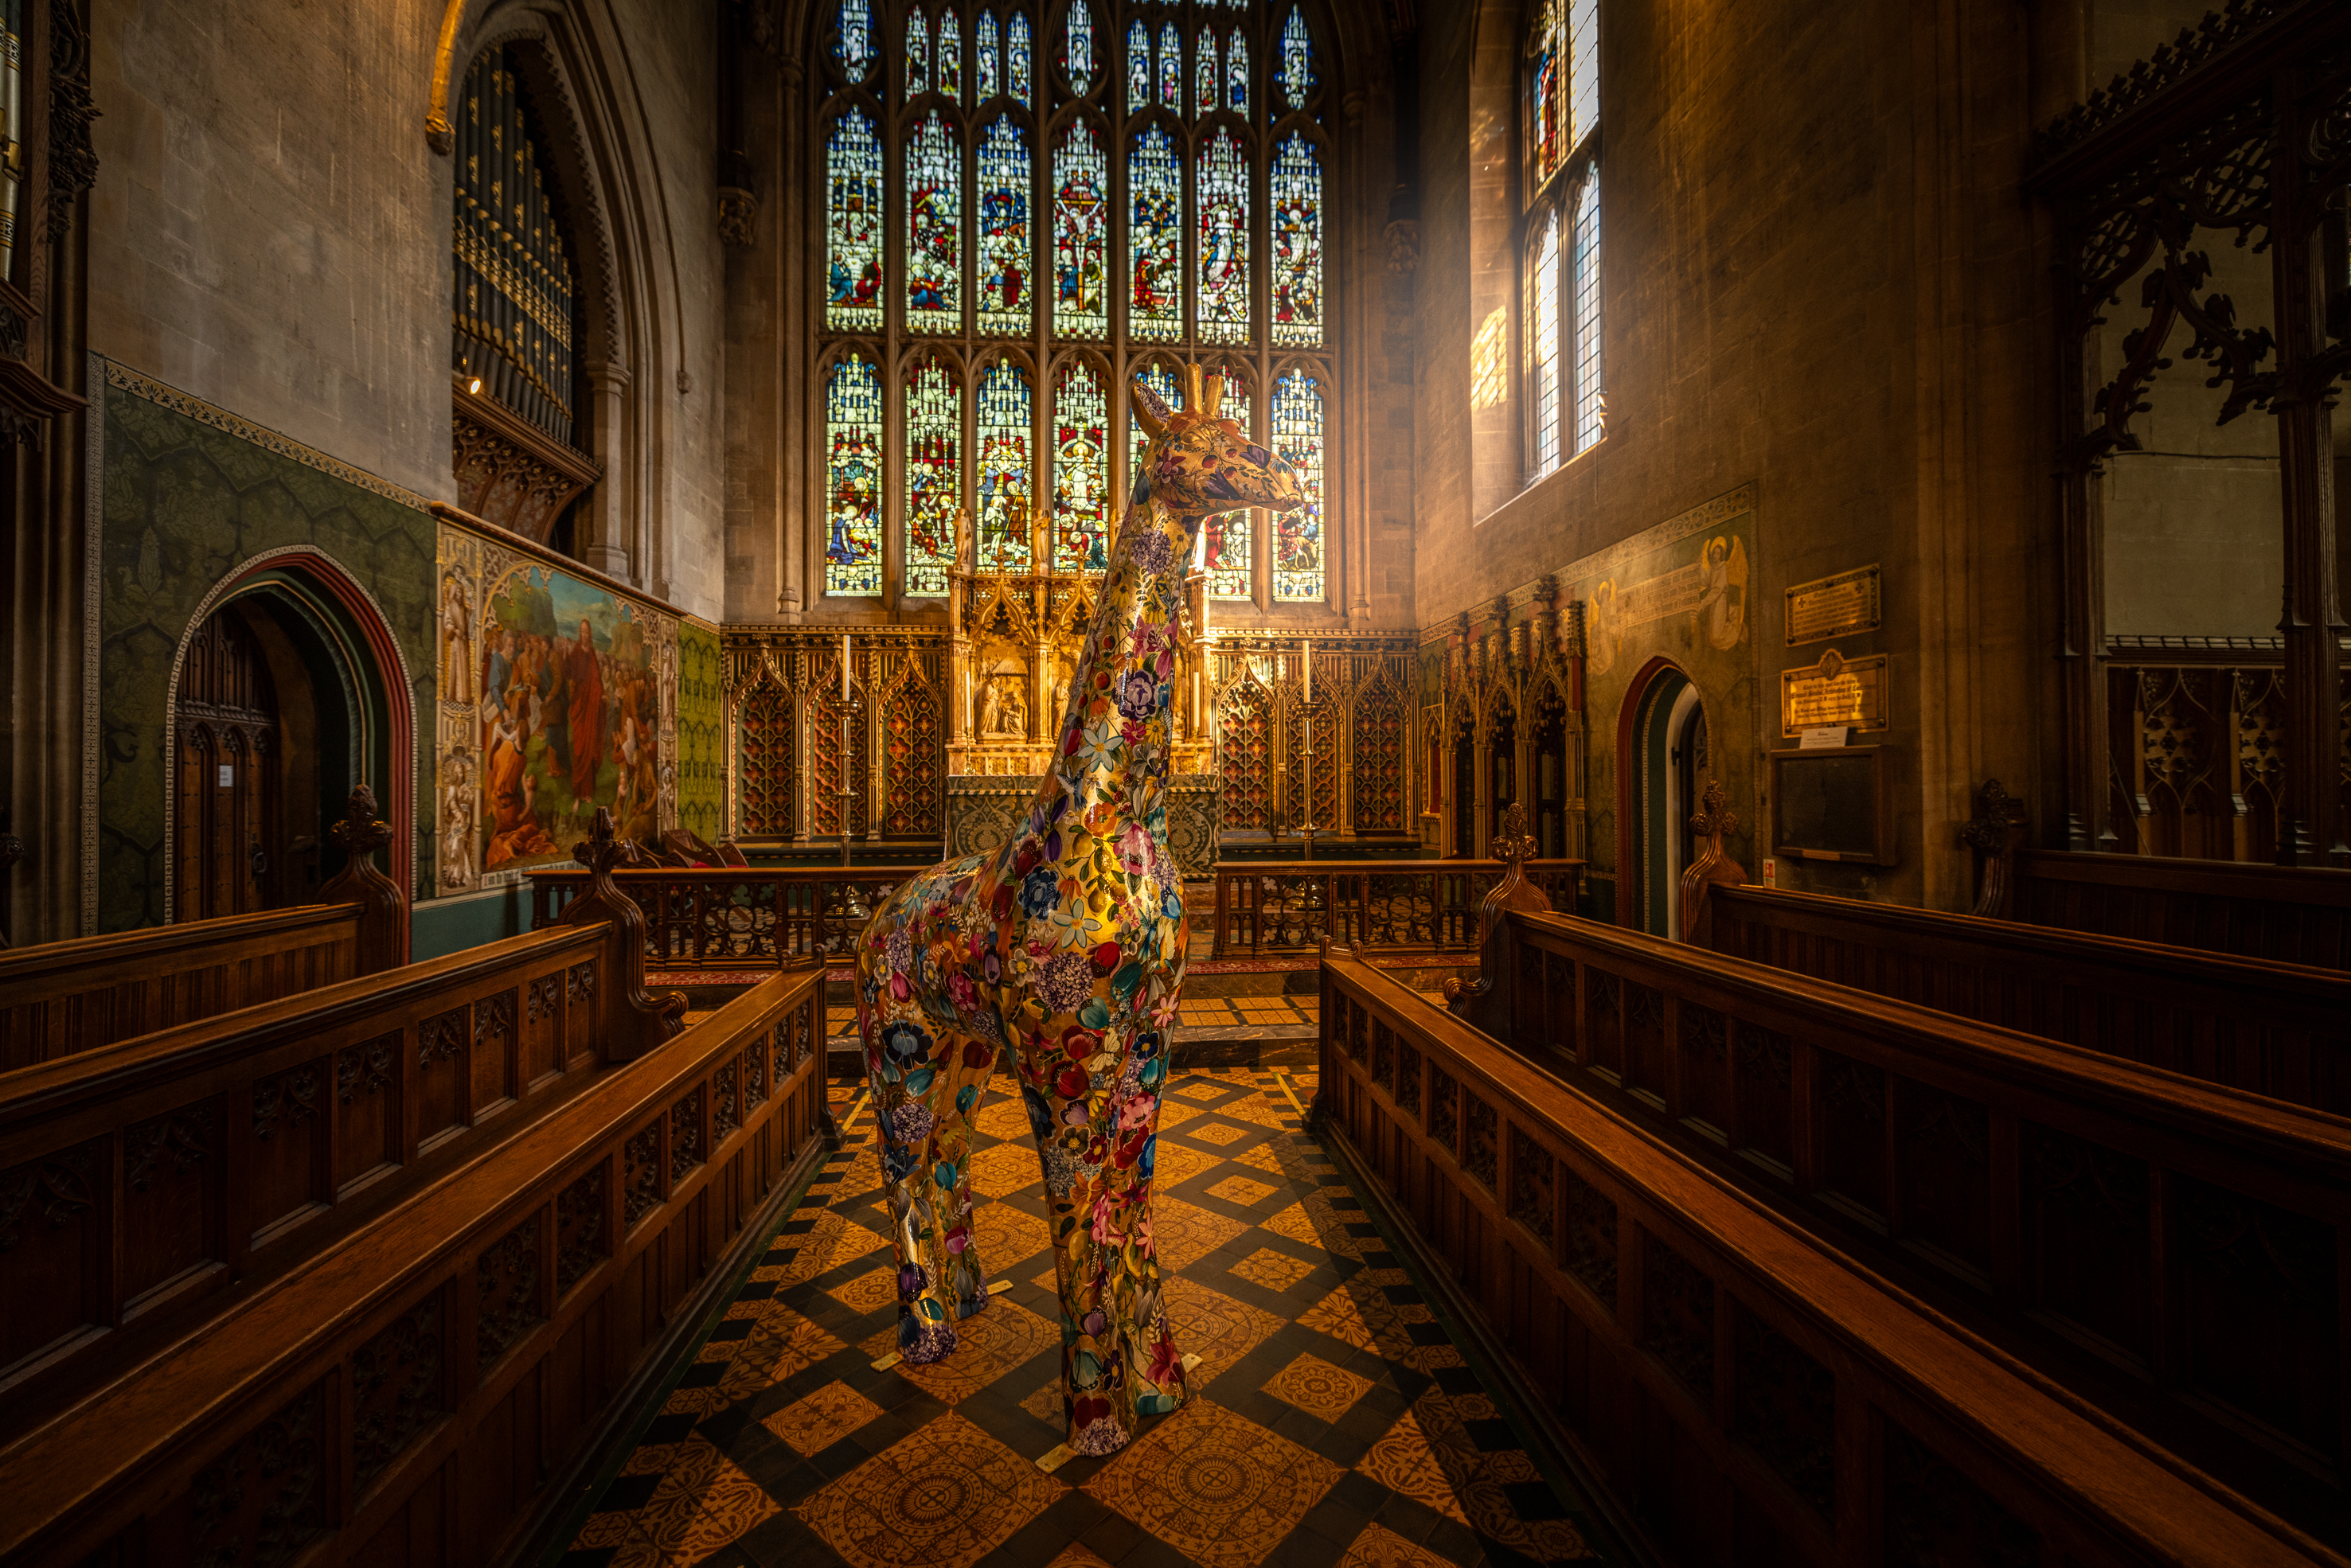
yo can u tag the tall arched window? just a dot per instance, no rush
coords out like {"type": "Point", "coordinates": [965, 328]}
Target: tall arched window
{"type": "Point", "coordinates": [1559, 114]}
{"type": "Point", "coordinates": [1022, 205]}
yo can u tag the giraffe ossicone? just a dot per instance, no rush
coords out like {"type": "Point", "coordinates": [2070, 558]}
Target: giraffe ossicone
{"type": "Point", "coordinates": [1061, 952]}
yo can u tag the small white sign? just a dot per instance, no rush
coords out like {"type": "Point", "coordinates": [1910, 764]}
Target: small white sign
{"type": "Point", "coordinates": [1824, 736]}
{"type": "Point", "coordinates": [1770, 873]}
{"type": "Point", "coordinates": [227, 774]}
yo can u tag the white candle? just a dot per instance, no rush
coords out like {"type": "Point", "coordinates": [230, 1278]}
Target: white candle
{"type": "Point", "coordinates": [844, 667]}
{"type": "Point", "coordinates": [1309, 656]}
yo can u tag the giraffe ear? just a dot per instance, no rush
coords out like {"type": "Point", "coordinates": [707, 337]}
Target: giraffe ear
{"type": "Point", "coordinates": [1150, 411]}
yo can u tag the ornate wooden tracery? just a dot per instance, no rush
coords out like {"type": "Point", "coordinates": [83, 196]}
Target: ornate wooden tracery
{"type": "Point", "coordinates": [1507, 695]}
{"type": "Point", "coordinates": [784, 711]}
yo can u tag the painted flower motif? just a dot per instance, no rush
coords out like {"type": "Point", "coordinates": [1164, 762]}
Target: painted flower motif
{"type": "Point", "coordinates": [905, 1042]}
{"type": "Point", "coordinates": [1138, 695]}
{"type": "Point", "coordinates": [1065, 983]}
{"type": "Point", "coordinates": [899, 950]}
{"type": "Point", "coordinates": [1060, 1170]}
{"type": "Point", "coordinates": [1166, 1366]}
{"type": "Point", "coordinates": [1039, 891]}
{"type": "Point", "coordinates": [1137, 1113]}
{"type": "Point", "coordinates": [960, 990]}
{"type": "Point", "coordinates": [1135, 850]}
{"type": "Point", "coordinates": [977, 1054]}
{"type": "Point", "coordinates": [1074, 925]}
{"type": "Point", "coordinates": [1070, 1084]}
{"type": "Point", "coordinates": [912, 1121]}
{"type": "Point", "coordinates": [1098, 745]}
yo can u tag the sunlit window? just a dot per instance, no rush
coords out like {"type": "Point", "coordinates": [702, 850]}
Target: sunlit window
{"type": "Point", "coordinates": [1560, 111]}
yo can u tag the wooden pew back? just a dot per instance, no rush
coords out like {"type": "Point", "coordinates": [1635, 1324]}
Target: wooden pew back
{"type": "Point", "coordinates": [418, 1390]}
{"type": "Point", "coordinates": [2279, 1029]}
{"type": "Point", "coordinates": [1747, 1392]}
{"type": "Point", "coordinates": [2288, 915]}
{"type": "Point", "coordinates": [60, 997]}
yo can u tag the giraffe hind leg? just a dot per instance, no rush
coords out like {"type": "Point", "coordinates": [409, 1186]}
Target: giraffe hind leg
{"type": "Point", "coordinates": [923, 1111]}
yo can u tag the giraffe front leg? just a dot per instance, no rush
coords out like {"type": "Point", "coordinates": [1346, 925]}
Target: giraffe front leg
{"type": "Point", "coordinates": [1119, 1359]}
{"type": "Point", "coordinates": [924, 1092]}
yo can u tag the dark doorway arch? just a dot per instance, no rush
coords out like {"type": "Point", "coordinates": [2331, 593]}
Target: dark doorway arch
{"type": "Point", "coordinates": [1661, 732]}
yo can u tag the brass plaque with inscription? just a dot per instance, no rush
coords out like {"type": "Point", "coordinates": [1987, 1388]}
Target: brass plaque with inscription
{"type": "Point", "coordinates": [1836, 691]}
{"type": "Point", "coordinates": [1833, 606]}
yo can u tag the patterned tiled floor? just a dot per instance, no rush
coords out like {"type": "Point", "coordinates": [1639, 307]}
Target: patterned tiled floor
{"type": "Point", "coordinates": [1333, 1421]}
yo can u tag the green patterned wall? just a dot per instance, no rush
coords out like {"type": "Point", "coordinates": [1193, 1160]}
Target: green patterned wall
{"type": "Point", "coordinates": [701, 772]}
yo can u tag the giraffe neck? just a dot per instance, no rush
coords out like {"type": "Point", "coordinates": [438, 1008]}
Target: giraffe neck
{"type": "Point", "coordinates": [1118, 762]}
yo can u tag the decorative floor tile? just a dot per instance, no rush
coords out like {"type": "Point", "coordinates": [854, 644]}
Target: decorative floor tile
{"type": "Point", "coordinates": [987, 1345]}
{"type": "Point", "coordinates": [1253, 1108]}
{"type": "Point", "coordinates": [1271, 1270]}
{"type": "Point", "coordinates": [1206, 1092]}
{"type": "Point", "coordinates": [1337, 1315]}
{"type": "Point", "coordinates": [1312, 1384]}
{"type": "Point", "coordinates": [1185, 1232]}
{"type": "Point", "coordinates": [947, 1494]}
{"type": "Point", "coordinates": [1312, 1220]}
{"type": "Point", "coordinates": [1009, 1233]}
{"type": "Point", "coordinates": [726, 1506]}
{"type": "Point", "coordinates": [1077, 1555]}
{"type": "Point", "coordinates": [1172, 1163]}
{"type": "Point", "coordinates": [1215, 1327]}
{"type": "Point", "coordinates": [1174, 1113]}
{"type": "Point", "coordinates": [822, 1420]}
{"type": "Point", "coordinates": [1214, 1133]}
{"type": "Point", "coordinates": [868, 1292]}
{"type": "Point", "coordinates": [836, 1239]}
{"type": "Point", "coordinates": [1045, 1403]}
{"type": "Point", "coordinates": [1403, 1462]}
{"type": "Point", "coordinates": [1213, 1485]}
{"type": "Point", "coordinates": [1004, 1115]}
{"type": "Point", "coordinates": [1242, 1190]}
{"type": "Point", "coordinates": [1379, 1547]}
{"type": "Point", "coordinates": [783, 1344]}
{"type": "Point", "coordinates": [1002, 1169]}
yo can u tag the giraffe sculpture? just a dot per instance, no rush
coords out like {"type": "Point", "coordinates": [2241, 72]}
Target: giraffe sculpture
{"type": "Point", "coordinates": [1064, 949]}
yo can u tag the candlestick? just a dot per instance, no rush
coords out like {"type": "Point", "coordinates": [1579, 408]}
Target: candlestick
{"type": "Point", "coordinates": [1309, 656]}
{"type": "Point", "coordinates": [844, 667]}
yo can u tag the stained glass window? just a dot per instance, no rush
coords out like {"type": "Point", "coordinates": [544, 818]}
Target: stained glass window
{"type": "Point", "coordinates": [1545, 131]}
{"type": "Point", "coordinates": [1583, 70]}
{"type": "Point", "coordinates": [1542, 346]}
{"type": "Point", "coordinates": [1006, 467]}
{"type": "Point", "coordinates": [918, 55]}
{"type": "Point", "coordinates": [1082, 516]}
{"type": "Point", "coordinates": [1224, 239]}
{"type": "Point", "coordinates": [1565, 400]}
{"type": "Point", "coordinates": [1171, 67]}
{"type": "Point", "coordinates": [1161, 379]}
{"type": "Point", "coordinates": [1297, 197]}
{"type": "Point", "coordinates": [1588, 398]}
{"type": "Point", "coordinates": [934, 228]}
{"type": "Point", "coordinates": [984, 62]}
{"type": "Point", "coordinates": [1236, 74]}
{"type": "Point", "coordinates": [854, 224]}
{"type": "Point", "coordinates": [1017, 68]}
{"type": "Point", "coordinates": [1204, 75]}
{"type": "Point", "coordinates": [1005, 256]}
{"type": "Point", "coordinates": [1078, 48]}
{"type": "Point", "coordinates": [852, 428]}
{"type": "Point", "coordinates": [1226, 557]}
{"type": "Point", "coordinates": [1155, 228]}
{"type": "Point", "coordinates": [1138, 69]}
{"type": "Point", "coordinates": [1080, 233]}
{"type": "Point", "coordinates": [934, 473]}
{"type": "Point", "coordinates": [854, 41]}
{"type": "Point", "coordinates": [1562, 102]}
{"type": "Point", "coordinates": [951, 56]}
{"type": "Point", "coordinates": [1298, 533]}
{"type": "Point", "coordinates": [1294, 73]}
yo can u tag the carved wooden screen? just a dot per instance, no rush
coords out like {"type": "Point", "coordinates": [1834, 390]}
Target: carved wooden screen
{"type": "Point", "coordinates": [768, 761]}
{"type": "Point", "coordinates": [1245, 757]}
{"type": "Point", "coordinates": [911, 760]}
{"type": "Point", "coordinates": [1379, 769]}
{"type": "Point", "coordinates": [1328, 714]}
{"type": "Point", "coordinates": [1547, 763]}
{"type": "Point", "coordinates": [225, 828]}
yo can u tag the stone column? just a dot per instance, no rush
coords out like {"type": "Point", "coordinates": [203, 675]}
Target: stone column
{"type": "Point", "coordinates": [612, 508]}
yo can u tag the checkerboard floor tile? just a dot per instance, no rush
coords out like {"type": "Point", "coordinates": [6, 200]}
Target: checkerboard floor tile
{"type": "Point", "coordinates": [1331, 1421]}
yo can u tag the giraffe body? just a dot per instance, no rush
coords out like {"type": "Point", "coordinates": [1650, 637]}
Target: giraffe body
{"type": "Point", "coordinates": [1062, 951]}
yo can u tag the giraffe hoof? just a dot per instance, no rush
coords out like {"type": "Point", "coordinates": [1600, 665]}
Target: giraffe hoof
{"type": "Point", "coordinates": [922, 1342]}
{"type": "Point", "coordinates": [1104, 1436]}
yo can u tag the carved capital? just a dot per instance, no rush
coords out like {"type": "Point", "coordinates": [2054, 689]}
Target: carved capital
{"type": "Point", "coordinates": [1403, 238]}
{"type": "Point", "coordinates": [739, 211]}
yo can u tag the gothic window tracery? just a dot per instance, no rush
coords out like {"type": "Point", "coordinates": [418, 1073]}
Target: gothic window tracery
{"type": "Point", "coordinates": [1559, 358]}
{"type": "Point", "coordinates": [1126, 202]}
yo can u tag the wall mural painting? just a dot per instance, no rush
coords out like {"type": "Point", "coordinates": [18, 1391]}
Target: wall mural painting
{"type": "Point", "coordinates": [560, 695]}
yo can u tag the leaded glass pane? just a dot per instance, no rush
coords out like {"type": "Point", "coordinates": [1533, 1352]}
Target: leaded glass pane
{"type": "Point", "coordinates": [1544, 132]}
{"type": "Point", "coordinates": [1298, 533]}
{"type": "Point", "coordinates": [1542, 346]}
{"type": "Point", "coordinates": [1138, 69]}
{"type": "Point", "coordinates": [1582, 71]}
{"type": "Point", "coordinates": [934, 228]}
{"type": "Point", "coordinates": [854, 224]}
{"type": "Point", "coordinates": [1297, 197]}
{"type": "Point", "coordinates": [934, 473]}
{"type": "Point", "coordinates": [983, 59]}
{"type": "Point", "coordinates": [1590, 399]}
{"type": "Point", "coordinates": [1171, 68]}
{"type": "Point", "coordinates": [951, 56]}
{"type": "Point", "coordinates": [1080, 470]}
{"type": "Point", "coordinates": [1294, 75]}
{"type": "Point", "coordinates": [852, 428]}
{"type": "Point", "coordinates": [1204, 75]}
{"type": "Point", "coordinates": [1005, 465]}
{"type": "Point", "coordinates": [853, 44]}
{"type": "Point", "coordinates": [1005, 245]}
{"type": "Point", "coordinates": [918, 56]}
{"type": "Point", "coordinates": [1224, 238]}
{"type": "Point", "coordinates": [1080, 233]}
{"type": "Point", "coordinates": [1236, 74]}
{"type": "Point", "coordinates": [1078, 48]}
{"type": "Point", "coordinates": [1018, 68]}
{"type": "Point", "coordinates": [1154, 310]}
{"type": "Point", "coordinates": [1226, 557]}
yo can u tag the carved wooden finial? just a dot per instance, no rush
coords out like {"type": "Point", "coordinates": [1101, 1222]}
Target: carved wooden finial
{"type": "Point", "coordinates": [383, 907]}
{"type": "Point", "coordinates": [1714, 817]}
{"type": "Point", "coordinates": [600, 850]}
{"type": "Point", "coordinates": [1995, 832]}
{"type": "Point", "coordinates": [1713, 820]}
{"type": "Point", "coordinates": [360, 831]}
{"type": "Point", "coordinates": [1513, 844]}
{"type": "Point", "coordinates": [635, 1019]}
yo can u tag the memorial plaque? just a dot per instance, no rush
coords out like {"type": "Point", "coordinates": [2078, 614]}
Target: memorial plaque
{"type": "Point", "coordinates": [1835, 691]}
{"type": "Point", "coordinates": [1833, 606]}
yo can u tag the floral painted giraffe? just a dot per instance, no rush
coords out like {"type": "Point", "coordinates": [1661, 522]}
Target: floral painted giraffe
{"type": "Point", "coordinates": [1066, 945]}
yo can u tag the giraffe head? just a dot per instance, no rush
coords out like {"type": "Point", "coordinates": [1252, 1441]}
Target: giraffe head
{"type": "Point", "coordinates": [1198, 465]}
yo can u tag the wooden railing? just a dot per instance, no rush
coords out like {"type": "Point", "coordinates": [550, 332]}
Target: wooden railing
{"type": "Point", "coordinates": [1747, 1392]}
{"type": "Point", "coordinates": [2289, 914]}
{"type": "Point", "coordinates": [428, 1389]}
{"type": "Point", "coordinates": [2133, 1234]}
{"type": "Point", "coordinates": [2279, 1029]}
{"type": "Point", "coordinates": [1419, 905]}
{"type": "Point", "coordinates": [734, 917]}
{"type": "Point", "coordinates": [66, 997]}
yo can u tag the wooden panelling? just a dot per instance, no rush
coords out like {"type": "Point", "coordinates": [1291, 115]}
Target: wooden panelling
{"type": "Point", "coordinates": [2288, 915]}
{"type": "Point", "coordinates": [412, 1397]}
{"type": "Point", "coordinates": [1748, 1393]}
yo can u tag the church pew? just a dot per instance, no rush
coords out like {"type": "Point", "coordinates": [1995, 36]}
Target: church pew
{"type": "Point", "coordinates": [2287, 915]}
{"type": "Point", "coordinates": [2268, 1027]}
{"type": "Point", "coordinates": [144, 1182]}
{"type": "Point", "coordinates": [1743, 1391]}
{"type": "Point", "coordinates": [2083, 1211]}
{"type": "Point", "coordinates": [1412, 905]}
{"type": "Point", "coordinates": [65, 996]}
{"type": "Point", "coordinates": [437, 1386]}
{"type": "Point", "coordinates": [727, 917]}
